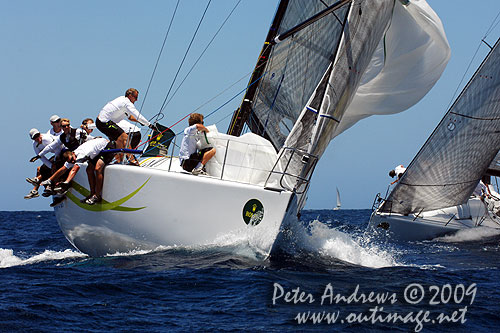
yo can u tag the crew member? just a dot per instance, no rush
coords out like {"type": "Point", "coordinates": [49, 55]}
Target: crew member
{"type": "Point", "coordinates": [90, 151]}
{"type": "Point", "coordinates": [120, 108]}
{"type": "Point", "coordinates": [397, 172]}
{"type": "Point", "coordinates": [43, 172]}
{"type": "Point", "coordinates": [55, 122]}
{"type": "Point", "coordinates": [191, 159]}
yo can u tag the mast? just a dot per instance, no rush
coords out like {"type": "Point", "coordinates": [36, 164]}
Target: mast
{"type": "Point", "coordinates": [242, 114]}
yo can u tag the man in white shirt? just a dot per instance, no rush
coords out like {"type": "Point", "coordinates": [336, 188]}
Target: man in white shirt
{"type": "Point", "coordinates": [56, 129]}
{"type": "Point", "coordinates": [191, 159]}
{"type": "Point", "coordinates": [43, 172]}
{"type": "Point", "coordinates": [90, 152]}
{"type": "Point", "coordinates": [70, 139]}
{"type": "Point", "coordinates": [397, 172]}
{"type": "Point", "coordinates": [116, 110]}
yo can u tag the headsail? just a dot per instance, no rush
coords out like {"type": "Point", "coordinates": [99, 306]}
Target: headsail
{"type": "Point", "coordinates": [306, 78]}
{"type": "Point", "coordinates": [316, 125]}
{"type": "Point", "coordinates": [292, 68]}
{"type": "Point", "coordinates": [447, 168]}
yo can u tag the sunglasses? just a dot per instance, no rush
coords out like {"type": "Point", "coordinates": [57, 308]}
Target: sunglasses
{"type": "Point", "coordinates": [63, 126]}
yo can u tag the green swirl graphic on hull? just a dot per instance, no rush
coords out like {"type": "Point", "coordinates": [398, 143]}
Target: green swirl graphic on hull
{"type": "Point", "coordinates": [104, 205]}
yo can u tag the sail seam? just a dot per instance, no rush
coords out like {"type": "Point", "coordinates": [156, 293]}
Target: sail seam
{"type": "Point", "coordinates": [450, 184]}
{"type": "Point", "coordinates": [475, 118]}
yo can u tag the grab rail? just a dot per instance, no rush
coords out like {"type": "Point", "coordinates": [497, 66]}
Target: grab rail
{"type": "Point", "coordinates": [301, 178]}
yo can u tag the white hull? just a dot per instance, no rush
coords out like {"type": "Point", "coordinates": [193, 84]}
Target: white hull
{"type": "Point", "coordinates": [171, 208]}
{"type": "Point", "coordinates": [433, 224]}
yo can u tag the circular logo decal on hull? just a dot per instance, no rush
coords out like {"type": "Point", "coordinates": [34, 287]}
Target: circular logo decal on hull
{"type": "Point", "coordinates": [253, 212]}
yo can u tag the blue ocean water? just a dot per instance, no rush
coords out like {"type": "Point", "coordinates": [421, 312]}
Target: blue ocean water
{"type": "Point", "coordinates": [331, 276]}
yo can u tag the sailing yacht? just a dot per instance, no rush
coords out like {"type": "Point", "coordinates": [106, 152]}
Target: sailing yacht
{"type": "Point", "coordinates": [434, 196]}
{"type": "Point", "coordinates": [339, 204]}
{"type": "Point", "coordinates": [323, 66]}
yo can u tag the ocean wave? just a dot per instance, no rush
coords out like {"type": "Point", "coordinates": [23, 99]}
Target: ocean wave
{"type": "Point", "coordinates": [329, 242]}
{"type": "Point", "coordinates": [8, 259]}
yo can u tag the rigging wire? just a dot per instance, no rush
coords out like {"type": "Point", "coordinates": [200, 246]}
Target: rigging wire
{"type": "Point", "coordinates": [203, 52]}
{"type": "Point", "coordinates": [208, 115]}
{"type": "Point", "coordinates": [183, 59]}
{"type": "Point", "coordinates": [490, 29]}
{"type": "Point", "coordinates": [205, 103]}
{"type": "Point", "coordinates": [159, 55]}
{"type": "Point", "coordinates": [493, 26]}
{"type": "Point", "coordinates": [154, 70]}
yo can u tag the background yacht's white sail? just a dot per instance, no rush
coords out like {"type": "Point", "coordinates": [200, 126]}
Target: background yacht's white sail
{"type": "Point", "coordinates": [339, 204]}
{"type": "Point", "coordinates": [448, 167]}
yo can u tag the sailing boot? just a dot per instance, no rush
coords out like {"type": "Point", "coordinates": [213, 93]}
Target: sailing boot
{"type": "Point", "coordinates": [32, 194]}
{"type": "Point", "coordinates": [33, 181]}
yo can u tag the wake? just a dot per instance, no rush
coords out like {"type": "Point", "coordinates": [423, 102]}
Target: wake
{"type": "Point", "coordinates": [470, 235]}
{"type": "Point", "coordinates": [8, 259]}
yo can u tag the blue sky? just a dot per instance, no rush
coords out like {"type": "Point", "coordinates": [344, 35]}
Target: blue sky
{"type": "Point", "coordinates": [70, 58]}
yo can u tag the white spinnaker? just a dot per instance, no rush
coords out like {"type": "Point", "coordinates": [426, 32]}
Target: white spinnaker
{"type": "Point", "coordinates": [405, 66]}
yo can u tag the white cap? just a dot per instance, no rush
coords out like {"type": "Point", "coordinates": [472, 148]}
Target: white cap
{"type": "Point", "coordinates": [54, 118]}
{"type": "Point", "coordinates": [33, 132]}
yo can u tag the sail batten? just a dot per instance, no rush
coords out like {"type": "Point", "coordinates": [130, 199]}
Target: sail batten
{"type": "Point", "coordinates": [459, 152]}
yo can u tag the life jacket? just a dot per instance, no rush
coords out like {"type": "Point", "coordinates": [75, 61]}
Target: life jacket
{"type": "Point", "coordinates": [70, 141]}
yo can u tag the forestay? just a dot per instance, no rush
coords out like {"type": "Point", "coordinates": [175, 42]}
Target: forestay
{"type": "Point", "coordinates": [448, 167]}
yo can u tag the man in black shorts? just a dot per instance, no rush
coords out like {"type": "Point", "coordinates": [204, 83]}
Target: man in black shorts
{"type": "Point", "coordinates": [116, 110]}
{"type": "Point", "coordinates": [194, 160]}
